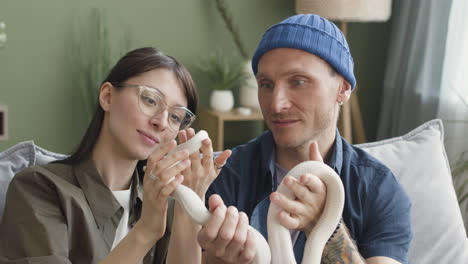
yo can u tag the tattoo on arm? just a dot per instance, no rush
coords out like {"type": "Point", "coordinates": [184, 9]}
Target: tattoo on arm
{"type": "Point", "coordinates": [341, 250]}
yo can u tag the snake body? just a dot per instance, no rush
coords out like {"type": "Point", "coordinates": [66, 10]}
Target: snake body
{"type": "Point", "coordinates": [279, 237]}
{"type": "Point", "coordinates": [280, 249]}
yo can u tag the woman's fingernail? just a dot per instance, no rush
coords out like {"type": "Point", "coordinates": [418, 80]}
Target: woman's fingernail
{"type": "Point", "coordinates": [180, 178]}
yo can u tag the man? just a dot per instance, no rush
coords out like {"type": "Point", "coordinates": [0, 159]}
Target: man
{"type": "Point", "coordinates": [304, 71]}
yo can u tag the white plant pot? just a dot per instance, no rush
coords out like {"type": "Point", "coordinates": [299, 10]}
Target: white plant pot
{"type": "Point", "coordinates": [248, 96]}
{"type": "Point", "coordinates": [222, 100]}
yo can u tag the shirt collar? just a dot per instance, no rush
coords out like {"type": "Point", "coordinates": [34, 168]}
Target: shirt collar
{"type": "Point", "coordinates": [102, 202]}
{"type": "Point", "coordinates": [268, 148]}
{"type": "Point", "coordinates": [336, 159]}
{"type": "Point", "coordinates": [272, 167]}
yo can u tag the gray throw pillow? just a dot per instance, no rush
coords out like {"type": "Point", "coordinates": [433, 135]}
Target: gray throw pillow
{"type": "Point", "coordinates": [419, 161]}
{"type": "Point", "coordinates": [19, 157]}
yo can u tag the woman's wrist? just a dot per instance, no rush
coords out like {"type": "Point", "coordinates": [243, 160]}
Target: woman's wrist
{"type": "Point", "coordinates": [144, 236]}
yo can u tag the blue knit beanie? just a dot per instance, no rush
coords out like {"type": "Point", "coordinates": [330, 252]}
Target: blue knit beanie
{"type": "Point", "coordinates": [311, 33]}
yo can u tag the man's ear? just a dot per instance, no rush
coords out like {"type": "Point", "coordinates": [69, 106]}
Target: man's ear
{"type": "Point", "coordinates": [344, 91]}
{"type": "Point", "coordinates": [105, 95]}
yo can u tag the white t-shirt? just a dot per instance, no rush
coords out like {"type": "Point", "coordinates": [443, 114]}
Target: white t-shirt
{"type": "Point", "coordinates": [122, 230]}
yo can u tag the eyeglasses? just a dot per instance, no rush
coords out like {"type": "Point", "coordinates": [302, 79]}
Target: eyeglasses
{"type": "Point", "coordinates": [152, 103]}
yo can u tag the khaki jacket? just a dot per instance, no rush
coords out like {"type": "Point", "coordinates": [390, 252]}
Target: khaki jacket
{"type": "Point", "coordinates": [60, 213]}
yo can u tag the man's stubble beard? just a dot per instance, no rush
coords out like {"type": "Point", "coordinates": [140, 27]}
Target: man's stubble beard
{"type": "Point", "coordinates": [326, 120]}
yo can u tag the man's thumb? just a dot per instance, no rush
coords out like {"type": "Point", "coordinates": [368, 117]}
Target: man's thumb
{"type": "Point", "coordinates": [314, 152]}
{"type": "Point", "coordinates": [214, 202]}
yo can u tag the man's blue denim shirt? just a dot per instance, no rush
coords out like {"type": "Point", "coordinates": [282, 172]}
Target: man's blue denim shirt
{"type": "Point", "coordinates": [376, 210]}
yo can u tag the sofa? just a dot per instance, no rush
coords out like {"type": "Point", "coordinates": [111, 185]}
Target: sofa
{"type": "Point", "coordinates": [417, 159]}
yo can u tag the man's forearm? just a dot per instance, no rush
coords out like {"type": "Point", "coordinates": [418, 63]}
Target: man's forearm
{"type": "Point", "coordinates": [341, 249]}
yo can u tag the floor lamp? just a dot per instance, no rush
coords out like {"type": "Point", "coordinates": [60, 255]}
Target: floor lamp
{"type": "Point", "coordinates": [350, 123]}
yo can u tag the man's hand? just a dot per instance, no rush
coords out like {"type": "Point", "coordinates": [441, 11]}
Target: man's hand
{"type": "Point", "coordinates": [303, 212]}
{"type": "Point", "coordinates": [226, 238]}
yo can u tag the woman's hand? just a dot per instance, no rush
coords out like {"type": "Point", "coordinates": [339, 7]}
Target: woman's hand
{"type": "Point", "coordinates": [162, 176]}
{"type": "Point", "coordinates": [202, 170]}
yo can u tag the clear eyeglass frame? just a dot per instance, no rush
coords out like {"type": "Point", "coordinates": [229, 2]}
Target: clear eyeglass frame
{"type": "Point", "coordinates": [152, 103]}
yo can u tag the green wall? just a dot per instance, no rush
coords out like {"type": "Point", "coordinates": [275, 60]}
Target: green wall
{"type": "Point", "coordinates": [36, 71]}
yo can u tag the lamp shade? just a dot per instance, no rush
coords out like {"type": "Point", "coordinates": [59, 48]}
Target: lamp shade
{"type": "Point", "coordinates": [347, 10]}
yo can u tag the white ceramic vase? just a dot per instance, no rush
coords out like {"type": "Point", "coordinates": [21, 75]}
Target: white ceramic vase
{"type": "Point", "coordinates": [222, 100]}
{"type": "Point", "coordinates": [248, 95]}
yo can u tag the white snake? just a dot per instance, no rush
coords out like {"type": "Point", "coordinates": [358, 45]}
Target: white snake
{"type": "Point", "coordinates": [280, 249]}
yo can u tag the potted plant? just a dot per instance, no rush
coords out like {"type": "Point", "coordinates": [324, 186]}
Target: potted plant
{"type": "Point", "coordinates": [249, 88]}
{"type": "Point", "coordinates": [225, 74]}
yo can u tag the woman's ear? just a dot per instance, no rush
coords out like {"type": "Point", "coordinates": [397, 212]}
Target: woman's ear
{"type": "Point", "coordinates": [105, 95]}
{"type": "Point", "coordinates": [344, 91]}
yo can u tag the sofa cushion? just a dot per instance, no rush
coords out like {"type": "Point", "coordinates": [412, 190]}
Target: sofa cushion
{"type": "Point", "coordinates": [18, 157]}
{"type": "Point", "coordinates": [419, 161]}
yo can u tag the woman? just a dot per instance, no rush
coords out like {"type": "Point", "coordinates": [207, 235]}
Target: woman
{"type": "Point", "coordinates": [91, 207]}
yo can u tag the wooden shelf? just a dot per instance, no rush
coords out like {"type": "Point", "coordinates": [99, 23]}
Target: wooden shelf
{"type": "Point", "coordinates": [213, 122]}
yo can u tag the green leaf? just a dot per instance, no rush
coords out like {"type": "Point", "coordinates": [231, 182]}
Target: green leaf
{"type": "Point", "coordinates": [91, 57]}
{"type": "Point", "coordinates": [224, 72]}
